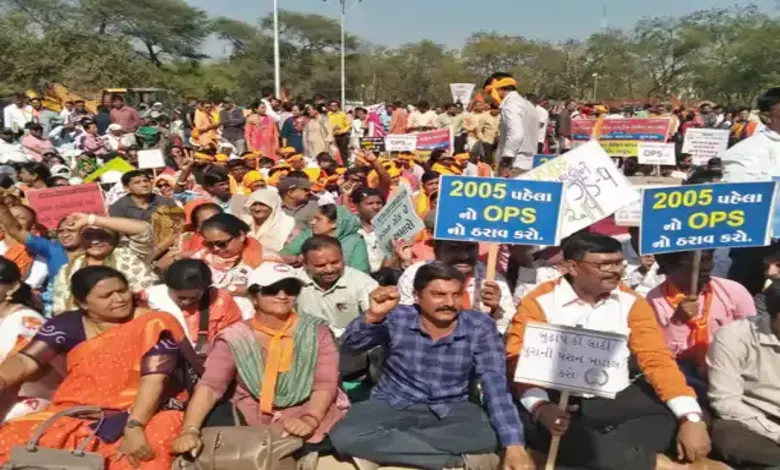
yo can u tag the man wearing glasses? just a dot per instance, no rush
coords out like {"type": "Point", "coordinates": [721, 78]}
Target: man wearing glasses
{"type": "Point", "coordinates": [654, 414]}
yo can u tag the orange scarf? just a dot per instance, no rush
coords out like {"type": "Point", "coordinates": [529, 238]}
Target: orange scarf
{"type": "Point", "coordinates": [484, 170]}
{"type": "Point", "coordinates": [466, 300]}
{"type": "Point", "coordinates": [699, 336]}
{"type": "Point", "coordinates": [278, 359]}
{"type": "Point", "coordinates": [18, 254]}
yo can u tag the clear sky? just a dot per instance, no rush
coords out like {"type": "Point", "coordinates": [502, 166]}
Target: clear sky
{"type": "Point", "coordinates": [450, 22]}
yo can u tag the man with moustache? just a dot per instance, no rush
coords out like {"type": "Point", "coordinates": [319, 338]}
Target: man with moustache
{"type": "Point", "coordinates": [656, 412]}
{"type": "Point", "coordinates": [419, 414]}
{"type": "Point", "coordinates": [494, 297]}
{"type": "Point", "coordinates": [331, 291]}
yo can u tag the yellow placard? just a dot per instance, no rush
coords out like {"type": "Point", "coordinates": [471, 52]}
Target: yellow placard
{"type": "Point", "coordinates": [117, 164]}
{"type": "Point", "coordinates": [620, 148]}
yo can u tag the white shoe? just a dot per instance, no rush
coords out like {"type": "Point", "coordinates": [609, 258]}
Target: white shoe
{"type": "Point", "coordinates": [308, 462]}
{"type": "Point", "coordinates": [481, 461]}
{"type": "Point", "coordinates": [362, 464]}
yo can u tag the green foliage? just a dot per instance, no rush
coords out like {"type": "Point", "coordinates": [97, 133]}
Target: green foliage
{"type": "Point", "coordinates": [726, 55]}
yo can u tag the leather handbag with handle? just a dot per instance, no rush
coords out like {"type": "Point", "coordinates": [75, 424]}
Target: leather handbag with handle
{"type": "Point", "coordinates": [33, 457]}
{"type": "Point", "coordinates": [242, 448]}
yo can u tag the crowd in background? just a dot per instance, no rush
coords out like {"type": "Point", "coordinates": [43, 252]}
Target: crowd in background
{"type": "Point", "coordinates": [243, 284]}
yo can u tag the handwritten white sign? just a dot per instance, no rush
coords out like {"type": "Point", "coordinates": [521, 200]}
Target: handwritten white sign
{"type": "Point", "coordinates": [401, 142]}
{"type": "Point", "coordinates": [462, 92]}
{"type": "Point", "coordinates": [656, 153]}
{"type": "Point", "coordinates": [592, 187]}
{"type": "Point", "coordinates": [704, 144]}
{"type": "Point", "coordinates": [150, 159]}
{"type": "Point", "coordinates": [573, 359]}
{"type": "Point", "coordinates": [397, 220]}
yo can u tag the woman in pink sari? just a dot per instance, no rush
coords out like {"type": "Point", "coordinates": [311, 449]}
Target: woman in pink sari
{"type": "Point", "coordinates": [261, 132]}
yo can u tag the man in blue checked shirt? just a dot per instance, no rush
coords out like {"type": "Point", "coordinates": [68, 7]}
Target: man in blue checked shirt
{"type": "Point", "coordinates": [419, 414]}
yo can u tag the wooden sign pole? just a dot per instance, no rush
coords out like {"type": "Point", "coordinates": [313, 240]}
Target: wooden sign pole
{"type": "Point", "coordinates": [552, 455]}
{"type": "Point", "coordinates": [695, 273]}
{"type": "Point", "coordinates": [492, 261]}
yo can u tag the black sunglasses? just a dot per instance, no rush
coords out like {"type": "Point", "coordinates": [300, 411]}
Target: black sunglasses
{"type": "Point", "coordinates": [290, 287]}
{"type": "Point", "coordinates": [222, 244]}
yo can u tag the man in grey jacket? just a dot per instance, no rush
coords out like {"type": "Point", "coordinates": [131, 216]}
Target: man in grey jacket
{"type": "Point", "coordinates": [519, 126]}
{"type": "Point", "coordinates": [232, 119]}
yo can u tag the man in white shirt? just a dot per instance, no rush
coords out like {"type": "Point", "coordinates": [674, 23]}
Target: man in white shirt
{"type": "Point", "coordinates": [519, 125]}
{"type": "Point", "coordinates": [10, 151]}
{"type": "Point", "coordinates": [654, 410]}
{"type": "Point", "coordinates": [756, 158]}
{"type": "Point", "coordinates": [422, 119]}
{"type": "Point", "coordinates": [16, 115]}
{"type": "Point", "coordinates": [744, 376]}
{"type": "Point", "coordinates": [67, 108]}
{"type": "Point", "coordinates": [544, 118]}
{"type": "Point", "coordinates": [496, 297]}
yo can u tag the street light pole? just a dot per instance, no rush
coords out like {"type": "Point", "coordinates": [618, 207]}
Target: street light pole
{"type": "Point", "coordinates": [595, 86]}
{"type": "Point", "coordinates": [343, 54]}
{"type": "Point", "coordinates": [344, 9]}
{"type": "Point", "coordinates": [277, 66]}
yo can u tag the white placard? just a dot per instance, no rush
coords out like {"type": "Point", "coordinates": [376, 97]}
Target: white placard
{"type": "Point", "coordinates": [592, 187]}
{"type": "Point", "coordinates": [704, 144]}
{"type": "Point", "coordinates": [656, 153]}
{"type": "Point", "coordinates": [397, 220]}
{"type": "Point", "coordinates": [401, 143]}
{"type": "Point", "coordinates": [462, 92]}
{"type": "Point", "coordinates": [573, 359]}
{"type": "Point", "coordinates": [150, 159]}
{"type": "Point", "coordinates": [631, 215]}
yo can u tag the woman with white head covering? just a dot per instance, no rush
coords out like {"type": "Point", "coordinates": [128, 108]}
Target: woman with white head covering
{"type": "Point", "coordinates": [268, 223]}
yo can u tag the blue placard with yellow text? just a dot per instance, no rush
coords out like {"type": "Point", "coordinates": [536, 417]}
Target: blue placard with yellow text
{"type": "Point", "coordinates": [498, 210]}
{"type": "Point", "coordinates": [542, 158]}
{"type": "Point", "coordinates": [706, 216]}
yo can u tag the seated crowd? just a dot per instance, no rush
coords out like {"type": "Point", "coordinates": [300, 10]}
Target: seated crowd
{"type": "Point", "coordinates": [280, 310]}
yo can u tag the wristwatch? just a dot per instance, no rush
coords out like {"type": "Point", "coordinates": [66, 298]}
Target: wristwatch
{"type": "Point", "coordinates": [134, 423]}
{"type": "Point", "coordinates": [692, 418]}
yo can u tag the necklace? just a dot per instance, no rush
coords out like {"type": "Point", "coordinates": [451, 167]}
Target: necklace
{"type": "Point", "coordinates": [91, 328]}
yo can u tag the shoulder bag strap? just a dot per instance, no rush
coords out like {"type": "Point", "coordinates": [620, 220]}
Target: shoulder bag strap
{"type": "Point", "coordinates": [203, 325]}
{"type": "Point", "coordinates": [74, 412]}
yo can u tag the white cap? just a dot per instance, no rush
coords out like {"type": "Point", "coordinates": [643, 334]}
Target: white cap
{"type": "Point", "coordinates": [114, 127]}
{"type": "Point", "coordinates": [111, 176]}
{"type": "Point", "coordinates": [60, 170]}
{"type": "Point", "coordinates": [270, 273]}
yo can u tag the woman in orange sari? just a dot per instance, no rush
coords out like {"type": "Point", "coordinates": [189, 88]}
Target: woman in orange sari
{"type": "Point", "coordinates": [119, 358]}
{"type": "Point", "coordinates": [261, 133]}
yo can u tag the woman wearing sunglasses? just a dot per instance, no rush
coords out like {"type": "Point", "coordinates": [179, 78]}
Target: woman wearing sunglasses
{"type": "Point", "coordinates": [231, 254]}
{"type": "Point", "coordinates": [164, 185]}
{"type": "Point", "coordinates": [100, 239]}
{"type": "Point", "coordinates": [285, 366]}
